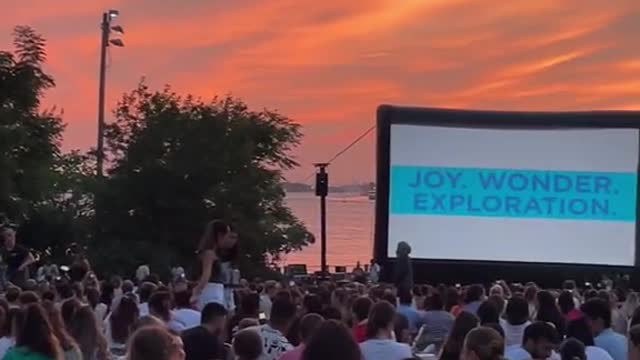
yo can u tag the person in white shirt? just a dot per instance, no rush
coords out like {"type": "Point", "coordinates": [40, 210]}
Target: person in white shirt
{"type": "Point", "coordinates": [274, 342]}
{"type": "Point", "coordinates": [144, 293]}
{"type": "Point", "coordinates": [516, 320]}
{"type": "Point", "coordinates": [381, 344]}
{"type": "Point", "coordinates": [268, 293]}
{"type": "Point", "coordinates": [537, 343]}
{"type": "Point", "coordinates": [184, 317]}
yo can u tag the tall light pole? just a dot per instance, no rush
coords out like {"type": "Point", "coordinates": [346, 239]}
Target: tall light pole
{"type": "Point", "coordinates": [322, 190]}
{"type": "Point", "coordinates": [107, 18]}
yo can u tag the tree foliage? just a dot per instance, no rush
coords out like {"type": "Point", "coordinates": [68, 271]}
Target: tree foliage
{"type": "Point", "coordinates": [179, 162]}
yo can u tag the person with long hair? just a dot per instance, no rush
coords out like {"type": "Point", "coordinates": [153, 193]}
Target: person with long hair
{"type": "Point", "coordinates": [567, 305]}
{"type": "Point", "coordinates": [464, 323]}
{"type": "Point", "coordinates": [119, 324]}
{"type": "Point", "coordinates": [99, 309]}
{"type": "Point", "coordinates": [67, 343]}
{"type": "Point", "coordinates": [218, 247]}
{"type": "Point", "coordinates": [572, 349]}
{"type": "Point", "coordinates": [88, 335]}
{"type": "Point", "coordinates": [35, 339]}
{"type": "Point", "coordinates": [516, 320]}
{"type": "Point", "coordinates": [380, 342]}
{"type": "Point", "coordinates": [68, 311]}
{"type": "Point", "coordinates": [579, 329]}
{"type": "Point", "coordinates": [155, 343]}
{"type": "Point", "coordinates": [332, 340]}
{"type": "Point", "coordinates": [483, 343]}
{"type": "Point", "coordinates": [548, 311]}
{"type": "Point", "coordinates": [437, 324]}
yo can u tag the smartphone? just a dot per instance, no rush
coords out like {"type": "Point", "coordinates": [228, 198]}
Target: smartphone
{"type": "Point", "coordinates": [262, 316]}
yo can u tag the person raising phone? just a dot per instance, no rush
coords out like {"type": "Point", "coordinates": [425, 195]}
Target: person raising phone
{"type": "Point", "coordinates": [218, 247]}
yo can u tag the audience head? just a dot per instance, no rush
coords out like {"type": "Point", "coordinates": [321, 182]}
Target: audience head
{"type": "Point", "coordinates": [155, 343]}
{"type": "Point", "coordinates": [539, 339]}
{"type": "Point", "coordinates": [308, 326]}
{"type": "Point", "coordinates": [312, 304]}
{"type": "Point", "coordinates": [247, 345]}
{"type": "Point", "coordinates": [572, 349]}
{"type": "Point", "coordinates": [123, 318]}
{"type": "Point", "coordinates": [57, 325]}
{"type": "Point", "coordinates": [160, 305]}
{"type": "Point", "coordinates": [483, 343]}
{"type": "Point", "coordinates": [182, 299]}
{"type": "Point", "coordinates": [578, 329]}
{"type": "Point", "coordinates": [283, 313]}
{"type": "Point", "coordinates": [214, 318]}
{"type": "Point", "coordinates": [464, 323]}
{"type": "Point", "coordinates": [34, 332]}
{"type": "Point", "coordinates": [12, 294]}
{"type": "Point", "coordinates": [87, 332]}
{"type": "Point", "coordinates": [434, 302]}
{"type": "Point", "coordinates": [597, 313]}
{"type": "Point", "coordinates": [68, 311]}
{"type": "Point", "coordinates": [381, 320]}
{"type": "Point", "coordinates": [28, 298]}
{"type": "Point", "coordinates": [145, 291]}
{"type": "Point", "coordinates": [474, 293]}
{"type": "Point", "coordinates": [404, 297]}
{"type": "Point", "coordinates": [332, 340]}
{"type": "Point", "coordinates": [634, 342]}
{"type": "Point", "coordinates": [250, 304]}
{"type": "Point", "coordinates": [361, 308]}
{"type": "Point", "coordinates": [517, 312]}
{"type": "Point", "coordinates": [488, 313]}
{"type": "Point", "coordinates": [566, 302]}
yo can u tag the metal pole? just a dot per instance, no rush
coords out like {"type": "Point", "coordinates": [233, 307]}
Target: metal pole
{"type": "Point", "coordinates": [322, 189]}
{"type": "Point", "coordinates": [103, 69]}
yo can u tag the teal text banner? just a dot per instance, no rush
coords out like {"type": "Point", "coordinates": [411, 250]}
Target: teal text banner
{"type": "Point", "coordinates": [513, 193]}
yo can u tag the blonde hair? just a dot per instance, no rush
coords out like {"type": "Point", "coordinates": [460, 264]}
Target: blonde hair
{"type": "Point", "coordinates": [486, 343]}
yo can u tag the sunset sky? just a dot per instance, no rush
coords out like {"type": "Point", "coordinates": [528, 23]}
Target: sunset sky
{"type": "Point", "coordinates": [328, 64]}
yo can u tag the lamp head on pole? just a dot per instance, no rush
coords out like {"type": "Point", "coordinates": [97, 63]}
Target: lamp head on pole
{"type": "Point", "coordinates": [113, 14]}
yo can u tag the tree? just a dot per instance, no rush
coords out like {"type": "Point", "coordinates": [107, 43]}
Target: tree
{"type": "Point", "coordinates": [39, 185]}
{"type": "Point", "coordinates": [179, 162]}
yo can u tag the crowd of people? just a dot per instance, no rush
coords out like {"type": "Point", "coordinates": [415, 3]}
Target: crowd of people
{"type": "Point", "coordinates": [219, 316]}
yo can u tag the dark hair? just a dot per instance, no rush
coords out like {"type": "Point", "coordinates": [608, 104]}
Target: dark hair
{"type": "Point", "coordinates": [597, 309]}
{"type": "Point", "coordinates": [212, 233]}
{"type": "Point", "coordinates": [211, 312]}
{"type": "Point", "coordinates": [28, 297]}
{"type": "Point", "coordinates": [497, 327]}
{"type": "Point", "coordinates": [282, 312]}
{"type": "Point", "coordinates": [308, 326]}
{"type": "Point", "coordinates": [49, 295]}
{"type": "Point", "coordinates": [486, 343]}
{"type": "Point", "coordinates": [464, 323]}
{"type": "Point", "coordinates": [382, 316]}
{"type": "Point", "coordinates": [160, 305]}
{"type": "Point", "coordinates": [332, 340]}
{"type": "Point", "coordinates": [3, 321]}
{"type": "Point", "coordinates": [488, 313]}
{"type": "Point", "coordinates": [247, 345]}
{"type": "Point", "coordinates": [566, 302]}
{"type": "Point", "coordinates": [474, 293]}
{"type": "Point", "coordinates": [579, 329]}
{"type": "Point", "coordinates": [404, 297]}
{"type": "Point", "coordinates": [250, 304]}
{"type": "Point", "coordinates": [93, 296]}
{"type": "Point", "coordinates": [152, 342]}
{"type": "Point", "coordinates": [332, 313]}
{"type": "Point", "coordinates": [312, 303]}
{"type": "Point", "coordinates": [127, 286]}
{"type": "Point", "coordinates": [390, 298]}
{"type": "Point", "coordinates": [68, 311]}
{"type": "Point", "coordinates": [361, 308]}
{"type": "Point", "coordinates": [569, 285]}
{"type": "Point", "coordinates": [13, 293]}
{"type": "Point", "coordinates": [65, 290]}
{"type": "Point", "coordinates": [58, 326]}
{"type": "Point", "coordinates": [182, 299]}
{"type": "Point", "coordinates": [145, 291]}
{"type": "Point", "coordinates": [123, 318]}
{"type": "Point", "coordinates": [146, 321]}
{"type": "Point", "coordinates": [86, 331]}
{"type": "Point", "coordinates": [540, 330]}
{"type": "Point", "coordinates": [517, 312]}
{"type": "Point", "coordinates": [548, 311]}
{"type": "Point", "coordinates": [634, 335]}
{"type": "Point", "coordinates": [635, 318]}
{"type": "Point", "coordinates": [35, 333]}
{"type": "Point", "coordinates": [572, 349]}
{"type": "Point", "coordinates": [433, 302]}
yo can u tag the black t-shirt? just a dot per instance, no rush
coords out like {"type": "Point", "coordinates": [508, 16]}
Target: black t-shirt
{"type": "Point", "coordinates": [13, 259]}
{"type": "Point", "coordinates": [200, 344]}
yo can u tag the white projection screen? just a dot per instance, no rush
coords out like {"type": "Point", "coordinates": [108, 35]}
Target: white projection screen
{"type": "Point", "coordinates": [557, 188]}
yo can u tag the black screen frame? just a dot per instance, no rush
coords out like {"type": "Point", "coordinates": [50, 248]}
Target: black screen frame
{"type": "Point", "coordinates": [388, 115]}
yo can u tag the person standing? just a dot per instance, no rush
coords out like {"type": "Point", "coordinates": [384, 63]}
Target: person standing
{"type": "Point", "coordinates": [17, 258]}
{"type": "Point", "coordinates": [403, 279]}
{"type": "Point", "coordinates": [218, 247]}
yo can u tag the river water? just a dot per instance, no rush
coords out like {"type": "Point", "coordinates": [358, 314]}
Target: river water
{"type": "Point", "coordinates": [350, 229]}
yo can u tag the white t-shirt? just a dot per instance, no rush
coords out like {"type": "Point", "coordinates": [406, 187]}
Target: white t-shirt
{"type": "Point", "coordinates": [265, 305]}
{"type": "Point", "coordinates": [375, 349]}
{"type": "Point", "coordinates": [143, 309]}
{"type": "Point", "coordinates": [516, 352]}
{"type": "Point", "coordinates": [184, 319]}
{"type": "Point", "coordinates": [513, 333]}
{"type": "Point", "coordinates": [596, 353]}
